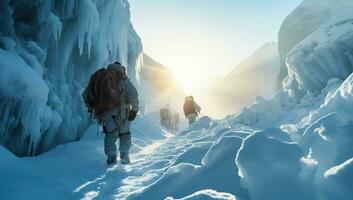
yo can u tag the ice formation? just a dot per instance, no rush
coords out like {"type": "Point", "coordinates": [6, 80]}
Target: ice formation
{"type": "Point", "coordinates": [48, 51]}
{"type": "Point", "coordinates": [316, 37]}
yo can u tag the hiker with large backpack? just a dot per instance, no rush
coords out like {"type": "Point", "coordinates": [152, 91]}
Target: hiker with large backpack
{"type": "Point", "coordinates": [112, 100]}
{"type": "Point", "coordinates": [191, 109]}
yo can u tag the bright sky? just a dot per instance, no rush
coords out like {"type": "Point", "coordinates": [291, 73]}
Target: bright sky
{"type": "Point", "coordinates": [202, 39]}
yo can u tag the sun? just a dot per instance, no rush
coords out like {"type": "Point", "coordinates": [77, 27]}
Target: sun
{"type": "Point", "coordinates": [191, 80]}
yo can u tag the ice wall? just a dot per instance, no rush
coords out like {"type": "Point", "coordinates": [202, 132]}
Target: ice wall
{"type": "Point", "coordinates": [48, 50]}
{"type": "Point", "coordinates": [313, 32]}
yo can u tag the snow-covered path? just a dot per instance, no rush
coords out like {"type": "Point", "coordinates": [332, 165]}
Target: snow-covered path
{"type": "Point", "coordinates": [153, 165]}
{"type": "Point", "coordinates": [78, 171]}
{"type": "Point", "coordinates": [208, 160]}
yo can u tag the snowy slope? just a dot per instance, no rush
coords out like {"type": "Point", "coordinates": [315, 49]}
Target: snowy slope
{"type": "Point", "coordinates": [48, 50]}
{"type": "Point", "coordinates": [255, 76]}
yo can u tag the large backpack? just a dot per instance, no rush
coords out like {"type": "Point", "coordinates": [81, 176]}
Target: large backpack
{"type": "Point", "coordinates": [189, 107]}
{"type": "Point", "coordinates": [103, 91]}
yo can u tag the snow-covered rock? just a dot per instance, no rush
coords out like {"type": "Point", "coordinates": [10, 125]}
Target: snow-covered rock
{"type": "Point", "coordinates": [48, 50]}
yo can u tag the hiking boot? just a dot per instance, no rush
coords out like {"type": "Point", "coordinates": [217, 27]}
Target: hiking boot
{"type": "Point", "coordinates": [124, 158]}
{"type": "Point", "coordinates": [111, 160]}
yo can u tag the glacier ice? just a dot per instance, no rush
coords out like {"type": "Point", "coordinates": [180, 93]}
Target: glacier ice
{"type": "Point", "coordinates": [314, 45]}
{"type": "Point", "coordinates": [48, 51]}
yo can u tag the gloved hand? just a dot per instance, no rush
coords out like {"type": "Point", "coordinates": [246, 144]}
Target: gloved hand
{"type": "Point", "coordinates": [132, 115]}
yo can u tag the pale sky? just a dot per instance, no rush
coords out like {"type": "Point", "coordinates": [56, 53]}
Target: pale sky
{"type": "Point", "coordinates": [201, 39]}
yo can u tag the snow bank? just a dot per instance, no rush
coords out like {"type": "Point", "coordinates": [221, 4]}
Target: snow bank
{"type": "Point", "coordinates": [339, 181]}
{"type": "Point", "coordinates": [271, 169]}
{"type": "Point", "coordinates": [48, 51]}
{"type": "Point", "coordinates": [150, 134]}
{"type": "Point", "coordinates": [187, 175]}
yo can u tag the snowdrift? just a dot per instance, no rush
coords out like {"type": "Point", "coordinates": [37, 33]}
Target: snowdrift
{"type": "Point", "coordinates": [48, 50]}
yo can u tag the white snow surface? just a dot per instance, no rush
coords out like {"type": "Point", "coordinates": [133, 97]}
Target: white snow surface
{"type": "Point", "coordinates": [48, 50]}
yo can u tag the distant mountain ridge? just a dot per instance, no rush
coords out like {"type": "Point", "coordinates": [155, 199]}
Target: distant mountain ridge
{"type": "Point", "coordinates": [255, 76]}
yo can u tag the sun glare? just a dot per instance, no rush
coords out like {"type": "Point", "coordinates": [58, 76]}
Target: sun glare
{"type": "Point", "coordinates": [191, 80]}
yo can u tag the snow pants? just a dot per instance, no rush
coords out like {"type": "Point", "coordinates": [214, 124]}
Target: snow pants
{"type": "Point", "coordinates": [191, 117]}
{"type": "Point", "coordinates": [110, 143]}
{"type": "Point", "coordinates": [116, 127]}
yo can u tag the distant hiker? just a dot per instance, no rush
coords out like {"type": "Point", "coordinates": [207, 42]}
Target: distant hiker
{"type": "Point", "coordinates": [166, 114]}
{"type": "Point", "coordinates": [176, 120]}
{"type": "Point", "coordinates": [113, 100]}
{"type": "Point", "coordinates": [191, 109]}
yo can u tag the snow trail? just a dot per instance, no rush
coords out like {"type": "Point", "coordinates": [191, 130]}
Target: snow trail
{"type": "Point", "coordinates": [152, 164]}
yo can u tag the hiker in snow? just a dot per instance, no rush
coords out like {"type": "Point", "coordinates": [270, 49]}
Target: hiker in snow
{"type": "Point", "coordinates": [176, 120]}
{"type": "Point", "coordinates": [191, 109]}
{"type": "Point", "coordinates": [166, 114]}
{"type": "Point", "coordinates": [112, 99]}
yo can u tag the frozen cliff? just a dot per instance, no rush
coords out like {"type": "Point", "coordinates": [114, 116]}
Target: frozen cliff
{"type": "Point", "coordinates": [48, 49]}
